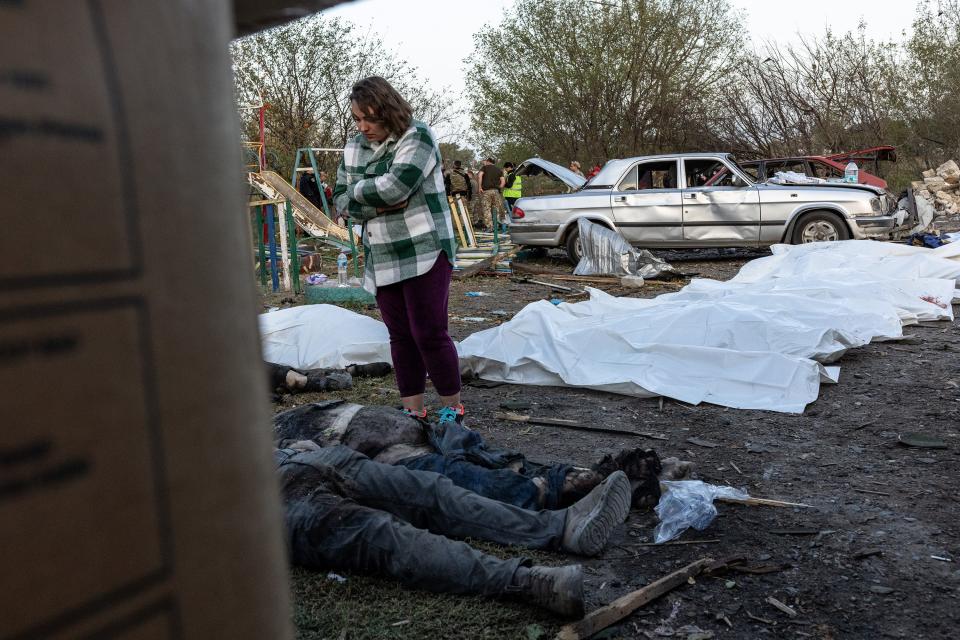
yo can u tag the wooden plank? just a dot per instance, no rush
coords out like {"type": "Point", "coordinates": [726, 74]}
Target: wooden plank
{"type": "Point", "coordinates": [620, 608]}
{"type": "Point", "coordinates": [307, 216]}
{"type": "Point", "coordinates": [456, 221]}
{"type": "Point", "coordinates": [467, 223]}
{"type": "Point", "coordinates": [284, 248]}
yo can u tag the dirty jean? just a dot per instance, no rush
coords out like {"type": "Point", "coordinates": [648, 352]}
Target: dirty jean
{"type": "Point", "coordinates": [451, 449]}
{"type": "Point", "coordinates": [392, 520]}
{"type": "Point", "coordinates": [463, 456]}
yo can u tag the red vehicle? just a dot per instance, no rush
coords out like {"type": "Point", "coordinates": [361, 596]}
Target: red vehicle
{"type": "Point", "coordinates": [831, 166]}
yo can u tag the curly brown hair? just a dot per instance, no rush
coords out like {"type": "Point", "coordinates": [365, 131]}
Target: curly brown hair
{"type": "Point", "coordinates": [377, 96]}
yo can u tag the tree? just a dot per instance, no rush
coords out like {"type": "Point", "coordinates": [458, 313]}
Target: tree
{"type": "Point", "coordinates": [931, 103]}
{"type": "Point", "coordinates": [591, 81]}
{"type": "Point", "coordinates": [450, 151]}
{"type": "Point", "coordinates": [826, 94]}
{"type": "Point", "coordinates": [305, 71]}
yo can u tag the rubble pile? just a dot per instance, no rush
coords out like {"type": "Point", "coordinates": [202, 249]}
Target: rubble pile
{"type": "Point", "coordinates": [940, 188]}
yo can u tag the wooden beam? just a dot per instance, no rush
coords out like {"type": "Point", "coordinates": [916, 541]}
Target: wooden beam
{"type": "Point", "coordinates": [620, 608]}
{"type": "Point", "coordinates": [565, 424]}
{"type": "Point", "coordinates": [307, 216]}
{"type": "Point", "coordinates": [484, 265]}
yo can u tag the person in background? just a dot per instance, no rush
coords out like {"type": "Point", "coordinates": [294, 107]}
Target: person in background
{"type": "Point", "coordinates": [594, 171]}
{"type": "Point", "coordinates": [513, 184]}
{"type": "Point", "coordinates": [490, 181]}
{"type": "Point", "coordinates": [391, 181]}
{"type": "Point", "coordinates": [309, 188]}
{"type": "Point", "coordinates": [327, 191]}
{"type": "Point", "coordinates": [575, 167]}
{"type": "Point", "coordinates": [457, 182]}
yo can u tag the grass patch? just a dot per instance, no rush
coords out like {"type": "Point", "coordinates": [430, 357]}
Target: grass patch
{"type": "Point", "coordinates": [369, 607]}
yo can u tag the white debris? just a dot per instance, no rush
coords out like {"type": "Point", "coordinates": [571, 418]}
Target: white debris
{"type": "Point", "coordinates": [938, 199]}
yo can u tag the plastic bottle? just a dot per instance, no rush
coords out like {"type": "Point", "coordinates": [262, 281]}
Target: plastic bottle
{"type": "Point", "coordinates": [851, 173]}
{"type": "Point", "coordinates": [342, 270]}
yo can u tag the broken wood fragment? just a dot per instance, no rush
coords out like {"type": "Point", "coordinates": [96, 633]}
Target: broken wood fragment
{"type": "Point", "coordinates": [558, 287]}
{"type": "Point", "coordinates": [520, 267]}
{"type": "Point", "coordinates": [766, 502]}
{"type": "Point", "coordinates": [484, 265]}
{"type": "Point", "coordinates": [876, 493]}
{"type": "Point", "coordinates": [759, 619]}
{"type": "Point", "coordinates": [675, 542]}
{"type": "Point", "coordinates": [622, 607]}
{"type": "Point", "coordinates": [566, 424]}
{"type": "Point", "coordinates": [790, 611]}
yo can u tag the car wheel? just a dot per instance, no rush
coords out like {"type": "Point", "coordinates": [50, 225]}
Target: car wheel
{"type": "Point", "coordinates": [574, 247]}
{"type": "Point", "coordinates": [819, 226]}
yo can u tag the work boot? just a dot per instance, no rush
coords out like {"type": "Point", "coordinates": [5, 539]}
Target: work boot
{"type": "Point", "coordinates": [591, 520]}
{"type": "Point", "coordinates": [558, 589]}
{"type": "Point", "coordinates": [327, 380]}
{"type": "Point", "coordinates": [371, 370]}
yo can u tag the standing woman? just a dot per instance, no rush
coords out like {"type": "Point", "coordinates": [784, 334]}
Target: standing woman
{"type": "Point", "coordinates": [391, 181]}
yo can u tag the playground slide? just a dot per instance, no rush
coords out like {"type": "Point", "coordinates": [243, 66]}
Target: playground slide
{"type": "Point", "coordinates": [307, 216]}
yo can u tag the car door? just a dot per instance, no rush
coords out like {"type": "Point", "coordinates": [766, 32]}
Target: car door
{"type": "Point", "coordinates": [646, 204]}
{"type": "Point", "coordinates": [723, 212]}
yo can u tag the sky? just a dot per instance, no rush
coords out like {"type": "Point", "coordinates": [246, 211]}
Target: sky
{"type": "Point", "coordinates": [438, 47]}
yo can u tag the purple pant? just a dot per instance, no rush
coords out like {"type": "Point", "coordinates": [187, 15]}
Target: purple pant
{"type": "Point", "coordinates": [415, 312]}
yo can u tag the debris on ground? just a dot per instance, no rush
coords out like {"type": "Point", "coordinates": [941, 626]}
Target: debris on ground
{"type": "Point", "coordinates": [559, 422]}
{"type": "Point", "coordinates": [921, 440]}
{"type": "Point", "coordinates": [846, 439]}
{"type": "Point", "coordinates": [617, 610]}
{"type": "Point", "coordinates": [939, 190]}
{"type": "Point", "coordinates": [688, 503]}
{"type": "Point", "coordinates": [605, 253]}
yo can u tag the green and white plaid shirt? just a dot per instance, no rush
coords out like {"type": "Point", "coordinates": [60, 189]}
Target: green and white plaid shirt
{"type": "Point", "coordinates": [402, 244]}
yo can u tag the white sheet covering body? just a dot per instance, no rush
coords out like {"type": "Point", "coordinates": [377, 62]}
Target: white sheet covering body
{"type": "Point", "coordinates": [758, 341]}
{"type": "Point", "coordinates": [320, 336]}
{"type": "Point", "coordinates": [752, 342]}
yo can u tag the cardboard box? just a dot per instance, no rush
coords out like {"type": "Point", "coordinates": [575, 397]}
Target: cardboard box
{"type": "Point", "coordinates": [137, 495]}
{"type": "Point", "coordinates": [256, 15]}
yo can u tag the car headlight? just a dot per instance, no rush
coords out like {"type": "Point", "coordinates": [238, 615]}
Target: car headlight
{"type": "Point", "coordinates": [876, 205]}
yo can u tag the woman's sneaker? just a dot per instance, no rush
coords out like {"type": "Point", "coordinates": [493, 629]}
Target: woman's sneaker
{"type": "Point", "coordinates": [450, 414]}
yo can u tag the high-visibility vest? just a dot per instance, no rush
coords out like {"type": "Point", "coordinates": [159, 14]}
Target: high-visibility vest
{"type": "Point", "coordinates": [516, 190]}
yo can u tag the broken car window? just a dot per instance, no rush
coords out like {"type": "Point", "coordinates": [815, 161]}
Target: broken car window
{"type": "Point", "coordinates": [795, 166]}
{"type": "Point", "coordinates": [703, 172]}
{"type": "Point", "coordinates": [650, 175]}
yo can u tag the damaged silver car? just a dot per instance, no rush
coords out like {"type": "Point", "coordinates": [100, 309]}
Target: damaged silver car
{"type": "Point", "coordinates": [691, 200]}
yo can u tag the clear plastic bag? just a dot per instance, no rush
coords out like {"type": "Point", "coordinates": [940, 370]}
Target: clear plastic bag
{"type": "Point", "coordinates": [688, 503]}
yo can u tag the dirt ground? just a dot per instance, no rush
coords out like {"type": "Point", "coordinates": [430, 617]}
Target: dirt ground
{"type": "Point", "coordinates": [875, 557]}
